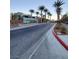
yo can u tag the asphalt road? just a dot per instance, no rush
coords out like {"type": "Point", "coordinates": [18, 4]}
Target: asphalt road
{"type": "Point", "coordinates": [23, 39]}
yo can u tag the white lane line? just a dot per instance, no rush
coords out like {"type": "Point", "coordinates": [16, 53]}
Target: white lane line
{"type": "Point", "coordinates": [38, 45]}
{"type": "Point", "coordinates": [36, 49]}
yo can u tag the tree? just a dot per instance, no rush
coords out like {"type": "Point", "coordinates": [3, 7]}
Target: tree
{"type": "Point", "coordinates": [41, 8]}
{"type": "Point", "coordinates": [13, 20]}
{"type": "Point", "coordinates": [31, 11]}
{"type": "Point", "coordinates": [64, 19]}
{"type": "Point", "coordinates": [37, 13]}
{"type": "Point", "coordinates": [58, 5]}
{"type": "Point", "coordinates": [48, 14]}
{"type": "Point", "coordinates": [45, 10]}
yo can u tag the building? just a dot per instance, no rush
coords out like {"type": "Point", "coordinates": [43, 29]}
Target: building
{"type": "Point", "coordinates": [28, 19]}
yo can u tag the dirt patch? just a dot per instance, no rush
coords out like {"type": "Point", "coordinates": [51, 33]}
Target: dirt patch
{"type": "Point", "coordinates": [60, 28]}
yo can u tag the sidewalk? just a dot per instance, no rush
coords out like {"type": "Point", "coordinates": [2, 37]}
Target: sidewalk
{"type": "Point", "coordinates": [64, 38]}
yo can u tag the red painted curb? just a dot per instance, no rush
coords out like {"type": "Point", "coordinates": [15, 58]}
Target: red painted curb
{"type": "Point", "coordinates": [60, 41]}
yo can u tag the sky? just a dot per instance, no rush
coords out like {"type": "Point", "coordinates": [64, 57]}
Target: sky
{"type": "Point", "coordinates": [25, 5]}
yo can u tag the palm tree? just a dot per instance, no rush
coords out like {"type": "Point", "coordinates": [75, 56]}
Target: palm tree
{"type": "Point", "coordinates": [45, 10]}
{"type": "Point", "coordinates": [14, 16]}
{"type": "Point", "coordinates": [41, 8]}
{"type": "Point", "coordinates": [48, 14]}
{"type": "Point", "coordinates": [31, 11]}
{"type": "Point", "coordinates": [58, 5]}
{"type": "Point", "coordinates": [37, 13]}
{"type": "Point", "coordinates": [37, 16]}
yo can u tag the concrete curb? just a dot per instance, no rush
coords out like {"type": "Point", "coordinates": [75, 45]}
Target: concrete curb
{"type": "Point", "coordinates": [60, 41]}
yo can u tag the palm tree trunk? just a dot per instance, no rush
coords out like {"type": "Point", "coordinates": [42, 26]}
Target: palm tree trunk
{"type": "Point", "coordinates": [37, 17]}
{"type": "Point", "coordinates": [58, 16]}
{"type": "Point", "coordinates": [31, 15]}
{"type": "Point", "coordinates": [45, 15]}
{"type": "Point", "coordinates": [50, 17]}
{"type": "Point", "coordinates": [41, 16]}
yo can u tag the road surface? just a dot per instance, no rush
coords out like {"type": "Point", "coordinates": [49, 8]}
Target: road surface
{"type": "Point", "coordinates": [23, 39]}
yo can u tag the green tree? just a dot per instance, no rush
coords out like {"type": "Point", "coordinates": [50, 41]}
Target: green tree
{"type": "Point", "coordinates": [41, 8]}
{"type": "Point", "coordinates": [31, 11]}
{"type": "Point", "coordinates": [58, 5]}
{"type": "Point", "coordinates": [37, 13]}
{"type": "Point", "coordinates": [45, 10]}
{"type": "Point", "coordinates": [48, 13]}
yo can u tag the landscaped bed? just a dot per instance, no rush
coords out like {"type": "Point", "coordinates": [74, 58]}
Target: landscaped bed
{"type": "Point", "coordinates": [61, 29]}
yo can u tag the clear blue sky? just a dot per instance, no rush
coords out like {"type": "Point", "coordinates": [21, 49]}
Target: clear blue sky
{"type": "Point", "coordinates": [25, 5]}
